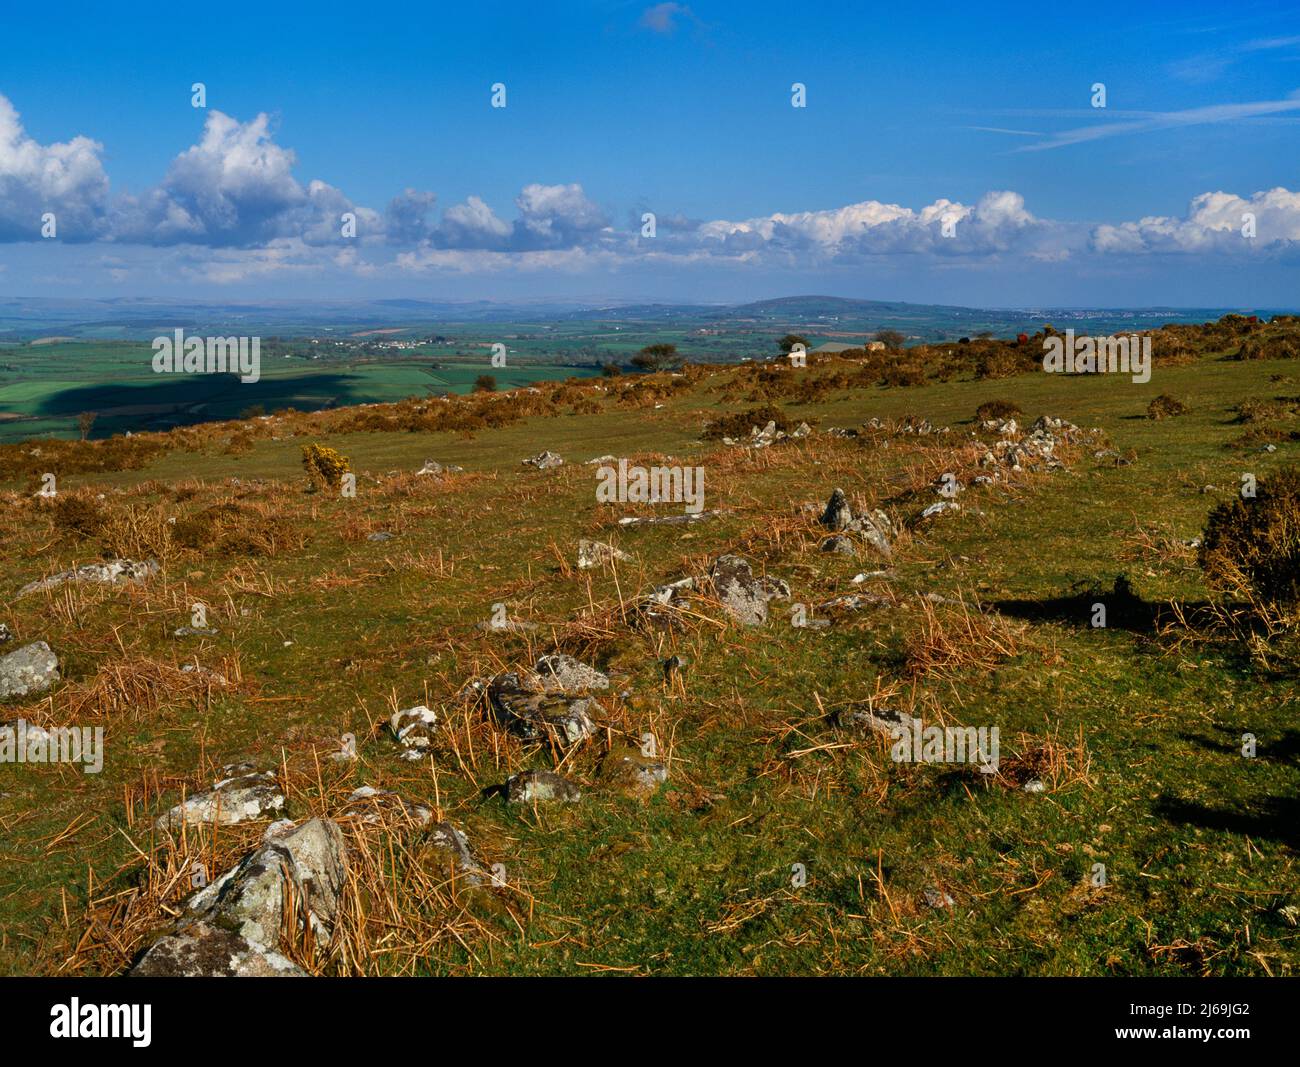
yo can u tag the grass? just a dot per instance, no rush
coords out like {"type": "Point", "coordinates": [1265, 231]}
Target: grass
{"type": "Point", "coordinates": [1135, 729]}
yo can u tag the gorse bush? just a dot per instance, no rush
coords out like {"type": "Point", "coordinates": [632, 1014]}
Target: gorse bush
{"type": "Point", "coordinates": [78, 513]}
{"type": "Point", "coordinates": [232, 529]}
{"type": "Point", "coordinates": [324, 465]}
{"type": "Point", "coordinates": [996, 409]}
{"type": "Point", "coordinates": [740, 424]}
{"type": "Point", "coordinates": [1165, 407]}
{"type": "Point", "coordinates": [1251, 545]}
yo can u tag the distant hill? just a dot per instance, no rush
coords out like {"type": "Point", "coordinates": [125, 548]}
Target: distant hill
{"type": "Point", "coordinates": [24, 319]}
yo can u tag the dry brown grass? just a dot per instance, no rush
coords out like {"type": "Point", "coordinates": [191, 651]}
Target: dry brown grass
{"type": "Point", "coordinates": [952, 638]}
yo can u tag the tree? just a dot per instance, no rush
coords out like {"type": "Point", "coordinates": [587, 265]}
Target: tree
{"type": "Point", "coordinates": [611, 370]}
{"type": "Point", "coordinates": [787, 343]}
{"type": "Point", "coordinates": [84, 422]}
{"type": "Point", "coordinates": [657, 357]}
{"type": "Point", "coordinates": [892, 339]}
{"type": "Point", "coordinates": [485, 383]}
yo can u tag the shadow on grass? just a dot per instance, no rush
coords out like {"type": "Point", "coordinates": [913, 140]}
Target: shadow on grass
{"type": "Point", "coordinates": [1125, 609]}
{"type": "Point", "coordinates": [1273, 818]}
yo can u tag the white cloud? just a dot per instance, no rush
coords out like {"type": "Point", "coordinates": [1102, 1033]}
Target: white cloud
{"type": "Point", "coordinates": [66, 179]}
{"type": "Point", "coordinates": [1213, 224]}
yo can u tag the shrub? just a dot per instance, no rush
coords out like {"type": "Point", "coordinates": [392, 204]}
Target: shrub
{"type": "Point", "coordinates": [324, 465]}
{"type": "Point", "coordinates": [1252, 544]}
{"type": "Point", "coordinates": [904, 374]}
{"type": "Point", "coordinates": [1270, 346]}
{"type": "Point", "coordinates": [997, 409]}
{"type": "Point", "coordinates": [485, 383]}
{"type": "Point", "coordinates": [740, 424]}
{"type": "Point", "coordinates": [1165, 407]}
{"type": "Point", "coordinates": [78, 513]}
{"type": "Point", "coordinates": [230, 529]}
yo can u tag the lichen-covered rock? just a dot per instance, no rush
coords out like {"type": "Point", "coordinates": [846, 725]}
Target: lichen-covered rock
{"type": "Point", "coordinates": [28, 670]}
{"type": "Point", "coordinates": [940, 508]}
{"type": "Point", "coordinates": [541, 787]}
{"type": "Point", "coordinates": [743, 596]}
{"type": "Point", "coordinates": [539, 716]}
{"type": "Point", "coordinates": [448, 839]}
{"type": "Point", "coordinates": [414, 729]}
{"type": "Point", "coordinates": [865, 717]}
{"type": "Point", "coordinates": [232, 927]}
{"type": "Point", "coordinates": [544, 460]}
{"type": "Point", "coordinates": [632, 773]}
{"type": "Point", "coordinates": [564, 674]}
{"type": "Point", "coordinates": [112, 571]}
{"type": "Point", "coordinates": [374, 807]}
{"type": "Point", "coordinates": [249, 898]}
{"type": "Point", "coordinates": [242, 795]}
{"type": "Point", "coordinates": [593, 554]}
{"type": "Point", "coordinates": [201, 950]}
{"type": "Point", "coordinates": [838, 514]}
{"type": "Point", "coordinates": [839, 545]}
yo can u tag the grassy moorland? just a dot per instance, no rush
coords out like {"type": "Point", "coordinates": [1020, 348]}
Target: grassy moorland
{"type": "Point", "coordinates": [1134, 729]}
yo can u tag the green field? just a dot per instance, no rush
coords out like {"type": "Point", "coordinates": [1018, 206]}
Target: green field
{"type": "Point", "coordinates": [44, 388]}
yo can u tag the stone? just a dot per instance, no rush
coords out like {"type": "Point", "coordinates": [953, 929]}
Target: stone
{"type": "Point", "coordinates": [940, 508]}
{"type": "Point", "coordinates": [380, 535]}
{"type": "Point", "coordinates": [743, 596]}
{"type": "Point", "coordinates": [232, 926]}
{"type": "Point", "coordinates": [596, 554]}
{"type": "Point", "coordinates": [864, 716]}
{"type": "Point", "coordinates": [876, 529]}
{"type": "Point", "coordinates": [539, 716]}
{"type": "Point", "coordinates": [447, 838]}
{"type": "Point", "coordinates": [839, 545]}
{"type": "Point", "coordinates": [114, 571]}
{"type": "Point", "coordinates": [369, 805]}
{"type": "Point", "coordinates": [28, 670]}
{"type": "Point", "coordinates": [201, 950]}
{"type": "Point", "coordinates": [564, 674]}
{"type": "Point", "coordinates": [668, 520]}
{"type": "Point", "coordinates": [544, 460]}
{"type": "Point", "coordinates": [838, 515]}
{"type": "Point", "coordinates": [432, 466]}
{"type": "Point", "coordinates": [241, 796]}
{"type": "Point", "coordinates": [6, 634]}
{"type": "Point", "coordinates": [541, 787]}
{"type": "Point", "coordinates": [195, 631]}
{"type": "Point", "coordinates": [414, 728]}
{"type": "Point", "coordinates": [934, 897]}
{"type": "Point", "coordinates": [628, 771]}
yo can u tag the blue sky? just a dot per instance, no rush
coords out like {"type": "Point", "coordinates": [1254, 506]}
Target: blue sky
{"type": "Point", "coordinates": [979, 114]}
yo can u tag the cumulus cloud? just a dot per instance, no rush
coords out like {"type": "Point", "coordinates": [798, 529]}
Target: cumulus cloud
{"type": "Point", "coordinates": [1215, 223]}
{"type": "Point", "coordinates": [407, 220]}
{"type": "Point", "coordinates": [473, 225]}
{"type": "Point", "coordinates": [231, 207]}
{"type": "Point", "coordinates": [235, 188]}
{"type": "Point", "coordinates": [999, 222]}
{"type": "Point", "coordinates": [66, 179]}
